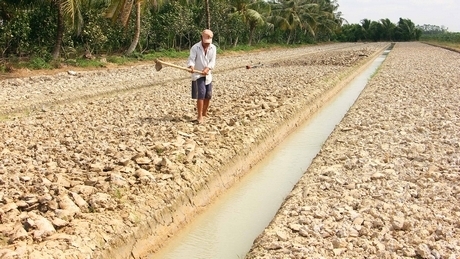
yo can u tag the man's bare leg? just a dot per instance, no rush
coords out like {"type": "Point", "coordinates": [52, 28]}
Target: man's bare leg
{"type": "Point", "coordinates": [205, 107]}
{"type": "Point", "coordinates": [199, 108]}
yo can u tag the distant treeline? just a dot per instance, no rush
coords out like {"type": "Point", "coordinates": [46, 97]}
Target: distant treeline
{"type": "Point", "coordinates": [63, 29]}
{"type": "Point", "coordinates": [383, 30]}
{"type": "Point", "coordinates": [436, 33]}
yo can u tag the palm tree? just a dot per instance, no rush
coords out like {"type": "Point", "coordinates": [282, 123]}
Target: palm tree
{"type": "Point", "coordinates": [406, 30]}
{"type": "Point", "coordinates": [320, 20]}
{"type": "Point", "coordinates": [292, 14]}
{"type": "Point", "coordinates": [329, 20]}
{"type": "Point", "coordinates": [208, 14]}
{"type": "Point", "coordinates": [365, 25]}
{"type": "Point", "coordinates": [339, 20]}
{"type": "Point", "coordinates": [375, 31]}
{"type": "Point", "coordinates": [120, 11]}
{"type": "Point", "coordinates": [137, 32]}
{"type": "Point", "coordinates": [67, 11]}
{"type": "Point", "coordinates": [388, 29]}
{"type": "Point", "coordinates": [252, 12]}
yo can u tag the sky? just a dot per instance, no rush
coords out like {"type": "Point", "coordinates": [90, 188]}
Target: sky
{"type": "Point", "coordinates": [434, 12]}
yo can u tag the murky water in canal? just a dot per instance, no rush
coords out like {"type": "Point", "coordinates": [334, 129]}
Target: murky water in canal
{"type": "Point", "coordinates": [228, 227]}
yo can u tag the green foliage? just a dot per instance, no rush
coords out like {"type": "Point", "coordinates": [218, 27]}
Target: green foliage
{"type": "Point", "coordinates": [243, 48]}
{"type": "Point", "coordinates": [169, 28]}
{"type": "Point", "coordinates": [42, 28]}
{"type": "Point", "coordinates": [117, 38]}
{"type": "Point", "coordinates": [351, 33]}
{"type": "Point", "coordinates": [449, 37]}
{"type": "Point", "coordinates": [136, 56]}
{"type": "Point", "coordinates": [432, 29]}
{"type": "Point", "coordinates": [14, 34]}
{"type": "Point", "coordinates": [174, 27]}
{"type": "Point", "coordinates": [383, 30]}
{"type": "Point", "coordinates": [406, 31]}
{"type": "Point", "coordinates": [82, 62]}
{"type": "Point", "coordinates": [38, 63]}
{"type": "Point", "coordinates": [174, 54]}
{"type": "Point", "coordinates": [118, 60]}
{"type": "Point", "coordinates": [93, 35]}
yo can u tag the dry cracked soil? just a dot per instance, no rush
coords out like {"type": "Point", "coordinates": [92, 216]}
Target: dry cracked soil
{"type": "Point", "coordinates": [108, 163]}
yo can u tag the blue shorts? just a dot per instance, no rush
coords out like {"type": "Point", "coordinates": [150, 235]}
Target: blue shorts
{"type": "Point", "coordinates": [200, 90]}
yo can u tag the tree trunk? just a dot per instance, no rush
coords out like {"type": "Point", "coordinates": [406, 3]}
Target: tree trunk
{"type": "Point", "coordinates": [236, 42]}
{"type": "Point", "coordinates": [125, 12]}
{"type": "Point", "coordinates": [59, 30]}
{"type": "Point", "coordinates": [251, 34]}
{"type": "Point", "coordinates": [138, 29]}
{"type": "Point", "coordinates": [289, 37]}
{"type": "Point", "coordinates": [208, 14]}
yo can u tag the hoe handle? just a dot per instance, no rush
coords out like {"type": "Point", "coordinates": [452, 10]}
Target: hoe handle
{"type": "Point", "coordinates": [179, 67]}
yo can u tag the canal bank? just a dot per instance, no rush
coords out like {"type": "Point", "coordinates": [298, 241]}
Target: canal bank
{"type": "Point", "coordinates": [228, 226]}
{"type": "Point", "coordinates": [101, 176]}
{"type": "Point", "coordinates": [385, 183]}
{"type": "Point", "coordinates": [256, 149]}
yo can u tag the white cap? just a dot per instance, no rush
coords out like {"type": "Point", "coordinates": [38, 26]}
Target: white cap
{"type": "Point", "coordinates": [206, 36]}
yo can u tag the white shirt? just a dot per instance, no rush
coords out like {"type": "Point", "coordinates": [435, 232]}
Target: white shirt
{"type": "Point", "coordinates": [199, 60]}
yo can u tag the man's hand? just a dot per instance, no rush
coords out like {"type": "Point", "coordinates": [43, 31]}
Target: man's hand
{"type": "Point", "coordinates": [206, 70]}
{"type": "Point", "coordinates": [192, 70]}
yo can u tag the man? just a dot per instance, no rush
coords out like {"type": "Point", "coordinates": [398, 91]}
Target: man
{"type": "Point", "coordinates": [201, 61]}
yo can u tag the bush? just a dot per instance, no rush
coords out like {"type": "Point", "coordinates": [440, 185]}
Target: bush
{"type": "Point", "coordinates": [38, 63]}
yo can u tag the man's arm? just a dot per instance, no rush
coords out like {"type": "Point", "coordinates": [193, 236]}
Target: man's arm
{"type": "Point", "coordinates": [192, 58]}
{"type": "Point", "coordinates": [212, 62]}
